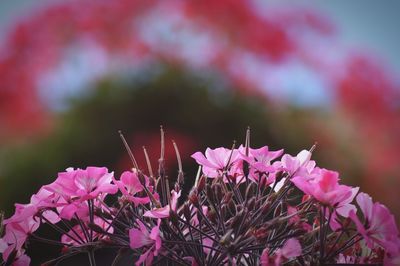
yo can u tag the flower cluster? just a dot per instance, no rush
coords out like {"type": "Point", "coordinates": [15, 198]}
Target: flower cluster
{"type": "Point", "coordinates": [247, 207]}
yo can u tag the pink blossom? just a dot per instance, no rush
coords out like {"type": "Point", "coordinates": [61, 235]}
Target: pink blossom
{"type": "Point", "coordinates": [259, 160]}
{"type": "Point", "coordinates": [141, 237]}
{"type": "Point", "coordinates": [93, 181]}
{"type": "Point", "coordinates": [290, 249]}
{"type": "Point", "coordinates": [379, 226]}
{"type": "Point", "coordinates": [294, 165]}
{"type": "Point", "coordinates": [129, 185]}
{"type": "Point", "coordinates": [296, 219]}
{"type": "Point", "coordinates": [163, 212]}
{"type": "Point", "coordinates": [24, 222]}
{"type": "Point", "coordinates": [16, 234]}
{"type": "Point", "coordinates": [323, 185]}
{"type": "Point", "coordinates": [392, 256]}
{"type": "Point", "coordinates": [22, 260]}
{"type": "Point", "coordinates": [42, 201]}
{"type": "Point", "coordinates": [83, 184]}
{"type": "Point", "coordinates": [216, 161]}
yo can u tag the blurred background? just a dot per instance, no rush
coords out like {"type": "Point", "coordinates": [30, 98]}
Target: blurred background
{"type": "Point", "coordinates": [72, 75]}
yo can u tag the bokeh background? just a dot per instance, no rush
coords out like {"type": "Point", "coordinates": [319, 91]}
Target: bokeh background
{"type": "Point", "coordinates": [296, 72]}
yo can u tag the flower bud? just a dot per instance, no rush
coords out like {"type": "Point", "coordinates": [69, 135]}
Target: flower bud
{"type": "Point", "coordinates": [265, 208]}
{"type": "Point", "coordinates": [177, 187]}
{"type": "Point", "coordinates": [232, 207]}
{"type": "Point", "coordinates": [250, 190]}
{"type": "Point", "coordinates": [209, 193]}
{"type": "Point", "coordinates": [201, 184]}
{"type": "Point", "coordinates": [277, 211]}
{"type": "Point", "coordinates": [227, 197]}
{"type": "Point", "coordinates": [193, 198]}
{"type": "Point", "coordinates": [261, 233]}
{"type": "Point", "coordinates": [263, 181]}
{"type": "Point", "coordinates": [180, 178]}
{"type": "Point", "coordinates": [246, 168]}
{"type": "Point", "coordinates": [212, 215]}
{"type": "Point", "coordinates": [186, 211]}
{"type": "Point", "coordinates": [278, 176]}
{"type": "Point", "coordinates": [251, 203]}
{"type": "Point", "coordinates": [226, 239]}
{"type": "Point", "coordinates": [224, 211]}
{"type": "Point", "coordinates": [141, 178]}
{"type": "Point", "coordinates": [237, 220]}
{"type": "Point", "coordinates": [218, 192]}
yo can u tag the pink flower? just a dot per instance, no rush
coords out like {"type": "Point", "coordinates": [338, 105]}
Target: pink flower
{"type": "Point", "coordinates": [42, 201]}
{"type": "Point", "coordinates": [129, 185]}
{"type": "Point", "coordinates": [93, 181]}
{"type": "Point", "coordinates": [295, 165]}
{"type": "Point", "coordinates": [323, 185]}
{"type": "Point", "coordinates": [392, 256]}
{"type": "Point", "coordinates": [22, 260]}
{"type": "Point", "coordinates": [164, 211]}
{"type": "Point", "coordinates": [141, 237]}
{"type": "Point", "coordinates": [298, 165]}
{"type": "Point", "coordinates": [259, 160]}
{"type": "Point", "coordinates": [215, 161]}
{"type": "Point", "coordinates": [290, 249]}
{"type": "Point", "coordinates": [379, 226]}
{"type": "Point", "coordinates": [16, 236]}
{"type": "Point", "coordinates": [83, 184]}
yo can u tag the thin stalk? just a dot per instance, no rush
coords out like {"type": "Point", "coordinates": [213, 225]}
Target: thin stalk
{"type": "Point", "coordinates": [91, 257]}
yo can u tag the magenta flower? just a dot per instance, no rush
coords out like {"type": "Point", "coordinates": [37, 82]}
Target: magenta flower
{"type": "Point", "coordinates": [141, 237]}
{"type": "Point", "coordinates": [259, 160]}
{"type": "Point", "coordinates": [392, 256]}
{"type": "Point", "coordinates": [163, 212]}
{"type": "Point", "coordinates": [83, 184]}
{"type": "Point", "coordinates": [290, 249]}
{"type": "Point", "coordinates": [296, 165]}
{"type": "Point", "coordinates": [216, 161]}
{"type": "Point", "coordinates": [323, 186]}
{"type": "Point", "coordinates": [129, 185]}
{"type": "Point", "coordinates": [42, 201]}
{"type": "Point", "coordinates": [16, 236]}
{"type": "Point", "coordinates": [293, 165]}
{"type": "Point", "coordinates": [379, 226]}
{"type": "Point", "coordinates": [93, 181]}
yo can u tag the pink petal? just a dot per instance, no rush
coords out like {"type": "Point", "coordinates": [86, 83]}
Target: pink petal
{"type": "Point", "coordinates": [201, 159]}
{"type": "Point", "coordinates": [138, 239]}
{"type": "Point", "coordinates": [23, 260]}
{"type": "Point", "coordinates": [144, 257]}
{"type": "Point", "coordinates": [158, 213]}
{"type": "Point", "coordinates": [264, 260]}
{"type": "Point", "coordinates": [291, 248]}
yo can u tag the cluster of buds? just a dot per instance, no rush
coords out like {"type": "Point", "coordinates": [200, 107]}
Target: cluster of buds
{"type": "Point", "coordinates": [247, 207]}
